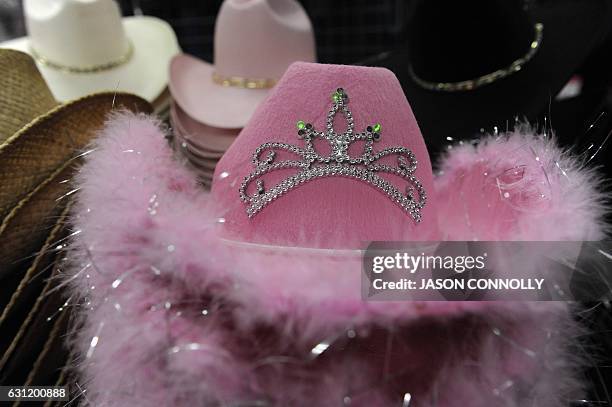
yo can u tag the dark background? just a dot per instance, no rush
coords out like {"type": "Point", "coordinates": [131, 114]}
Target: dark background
{"type": "Point", "coordinates": [349, 31]}
{"type": "Point", "coordinates": [346, 30]}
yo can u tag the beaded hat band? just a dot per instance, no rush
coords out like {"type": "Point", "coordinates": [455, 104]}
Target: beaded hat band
{"type": "Point", "coordinates": [121, 60]}
{"type": "Point", "coordinates": [311, 165]}
{"type": "Point", "coordinates": [242, 82]}
{"type": "Point", "coordinates": [489, 78]}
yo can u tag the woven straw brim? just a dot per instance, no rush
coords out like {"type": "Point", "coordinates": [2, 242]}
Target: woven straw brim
{"type": "Point", "coordinates": [34, 325]}
{"type": "Point", "coordinates": [54, 355]}
{"type": "Point", "coordinates": [25, 228]}
{"type": "Point", "coordinates": [26, 300]}
{"type": "Point", "coordinates": [32, 154]}
{"type": "Point", "coordinates": [24, 95]}
{"type": "Point", "coordinates": [29, 343]}
{"type": "Point", "coordinates": [35, 277]}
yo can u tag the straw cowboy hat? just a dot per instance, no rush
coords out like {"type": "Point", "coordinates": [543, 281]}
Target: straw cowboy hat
{"type": "Point", "coordinates": [252, 294]}
{"type": "Point", "coordinates": [30, 319]}
{"type": "Point", "coordinates": [40, 143]}
{"type": "Point", "coordinates": [84, 46]}
{"type": "Point", "coordinates": [255, 42]}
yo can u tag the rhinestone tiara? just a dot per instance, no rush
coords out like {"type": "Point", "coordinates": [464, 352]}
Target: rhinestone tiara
{"type": "Point", "coordinates": [339, 163]}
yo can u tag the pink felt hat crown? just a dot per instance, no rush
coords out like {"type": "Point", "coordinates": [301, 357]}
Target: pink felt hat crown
{"type": "Point", "coordinates": [255, 41]}
{"type": "Point", "coordinates": [332, 212]}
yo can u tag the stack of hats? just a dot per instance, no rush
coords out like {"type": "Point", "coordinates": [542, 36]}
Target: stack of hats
{"type": "Point", "coordinates": [255, 42]}
{"type": "Point", "coordinates": [201, 145]}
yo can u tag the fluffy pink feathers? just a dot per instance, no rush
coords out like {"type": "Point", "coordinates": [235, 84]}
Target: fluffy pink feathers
{"type": "Point", "coordinates": [173, 315]}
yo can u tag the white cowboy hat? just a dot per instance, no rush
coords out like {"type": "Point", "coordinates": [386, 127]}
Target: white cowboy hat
{"type": "Point", "coordinates": [84, 46]}
{"type": "Point", "coordinates": [255, 42]}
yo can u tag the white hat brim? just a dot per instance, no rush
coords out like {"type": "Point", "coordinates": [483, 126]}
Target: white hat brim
{"type": "Point", "coordinates": [145, 74]}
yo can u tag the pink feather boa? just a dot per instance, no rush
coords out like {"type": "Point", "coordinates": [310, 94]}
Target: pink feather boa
{"type": "Point", "coordinates": [174, 316]}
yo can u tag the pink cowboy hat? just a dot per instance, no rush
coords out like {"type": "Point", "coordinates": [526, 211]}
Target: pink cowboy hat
{"type": "Point", "coordinates": [255, 42]}
{"type": "Point", "coordinates": [191, 301]}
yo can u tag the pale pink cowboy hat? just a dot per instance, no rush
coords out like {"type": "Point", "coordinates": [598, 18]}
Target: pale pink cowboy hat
{"type": "Point", "coordinates": [255, 42]}
{"type": "Point", "coordinates": [192, 302]}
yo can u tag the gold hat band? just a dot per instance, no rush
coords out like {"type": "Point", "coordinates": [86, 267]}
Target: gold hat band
{"type": "Point", "coordinates": [84, 69]}
{"type": "Point", "coordinates": [242, 82]}
{"type": "Point", "coordinates": [515, 66]}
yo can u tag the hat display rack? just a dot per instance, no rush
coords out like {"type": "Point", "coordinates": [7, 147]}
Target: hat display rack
{"type": "Point", "coordinates": [187, 189]}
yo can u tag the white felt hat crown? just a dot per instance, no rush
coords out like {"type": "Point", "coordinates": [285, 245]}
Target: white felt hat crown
{"type": "Point", "coordinates": [84, 46]}
{"type": "Point", "coordinates": [77, 33]}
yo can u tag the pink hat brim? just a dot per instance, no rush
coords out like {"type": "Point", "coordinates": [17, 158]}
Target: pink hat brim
{"type": "Point", "coordinates": [193, 88]}
{"type": "Point", "coordinates": [206, 165]}
{"type": "Point", "coordinates": [203, 137]}
{"type": "Point", "coordinates": [186, 144]}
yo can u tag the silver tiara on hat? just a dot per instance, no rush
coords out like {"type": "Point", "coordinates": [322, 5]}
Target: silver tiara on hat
{"type": "Point", "coordinates": [339, 163]}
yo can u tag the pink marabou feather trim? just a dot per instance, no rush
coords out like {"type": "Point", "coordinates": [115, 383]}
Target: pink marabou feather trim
{"type": "Point", "coordinates": [182, 317]}
{"type": "Point", "coordinates": [518, 186]}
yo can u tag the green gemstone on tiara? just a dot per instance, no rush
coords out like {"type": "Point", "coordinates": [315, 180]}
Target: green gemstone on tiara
{"type": "Point", "coordinates": [301, 125]}
{"type": "Point", "coordinates": [377, 128]}
{"type": "Point", "coordinates": [340, 96]}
